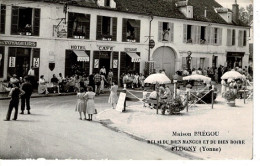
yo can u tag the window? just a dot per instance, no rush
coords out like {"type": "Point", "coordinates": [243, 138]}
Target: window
{"type": "Point", "coordinates": [131, 30]}
{"type": "Point", "coordinates": [244, 39]}
{"type": "Point", "coordinates": [107, 3]}
{"type": "Point", "coordinates": [215, 35]}
{"type": "Point", "coordinates": [233, 37]}
{"type": "Point", "coordinates": [25, 21]}
{"type": "Point", "coordinates": [165, 31]}
{"type": "Point", "coordinates": [106, 28]}
{"type": "Point", "coordinates": [2, 19]}
{"type": "Point", "coordinates": [202, 63]}
{"type": "Point", "coordinates": [78, 26]}
{"type": "Point", "coordinates": [203, 35]}
{"type": "Point", "coordinates": [189, 39]}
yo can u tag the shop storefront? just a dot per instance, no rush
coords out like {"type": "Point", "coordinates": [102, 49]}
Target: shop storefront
{"type": "Point", "coordinates": [21, 56]}
{"type": "Point", "coordinates": [106, 57]}
{"type": "Point", "coordinates": [77, 61]}
{"type": "Point", "coordinates": [130, 61]}
{"type": "Point", "coordinates": [234, 59]}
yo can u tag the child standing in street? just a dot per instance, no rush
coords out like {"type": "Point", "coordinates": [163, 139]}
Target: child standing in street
{"type": "Point", "coordinates": [145, 97]}
{"type": "Point", "coordinates": [15, 94]}
{"type": "Point", "coordinates": [81, 104]}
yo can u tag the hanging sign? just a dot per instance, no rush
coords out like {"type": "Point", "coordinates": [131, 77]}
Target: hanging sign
{"type": "Point", "coordinates": [12, 61]}
{"type": "Point", "coordinates": [36, 62]}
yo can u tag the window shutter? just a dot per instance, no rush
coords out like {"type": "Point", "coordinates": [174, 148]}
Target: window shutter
{"type": "Point", "coordinates": [124, 26]}
{"type": "Point", "coordinates": [212, 35]}
{"type": "Point", "coordinates": [240, 38]}
{"type": "Point", "coordinates": [184, 65]}
{"type": "Point", "coordinates": [219, 36]}
{"type": "Point", "coordinates": [198, 30]}
{"type": "Point", "coordinates": [207, 35]}
{"type": "Point", "coordinates": [87, 26]}
{"type": "Point", "coordinates": [70, 24]}
{"type": "Point", "coordinates": [2, 19]}
{"type": "Point", "coordinates": [198, 63]}
{"type": "Point", "coordinates": [114, 29]}
{"type": "Point", "coordinates": [137, 31]}
{"type": "Point", "coordinates": [15, 19]}
{"type": "Point", "coordinates": [244, 38]}
{"type": "Point", "coordinates": [184, 33]}
{"type": "Point", "coordinates": [194, 62]}
{"type": "Point", "coordinates": [36, 25]}
{"type": "Point", "coordinates": [160, 31]}
{"type": "Point", "coordinates": [229, 37]}
{"type": "Point", "coordinates": [171, 25]}
{"type": "Point", "coordinates": [99, 28]}
{"type": "Point", "coordinates": [123, 63]}
{"type": "Point", "coordinates": [193, 33]}
{"type": "Point", "coordinates": [206, 63]}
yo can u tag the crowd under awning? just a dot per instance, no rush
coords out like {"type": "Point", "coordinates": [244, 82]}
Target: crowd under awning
{"type": "Point", "coordinates": [134, 57]}
{"type": "Point", "coordinates": [82, 56]}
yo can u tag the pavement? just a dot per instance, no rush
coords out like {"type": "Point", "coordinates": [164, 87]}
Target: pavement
{"type": "Point", "coordinates": [53, 131]}
{"type": "Point", "coordinates": [223, 126]}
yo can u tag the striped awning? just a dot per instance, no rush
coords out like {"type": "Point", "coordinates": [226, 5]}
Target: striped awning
{"type": "Point", "coordinates": [134, 57]}
{"type": "Point", "coordinates": [81, 55]}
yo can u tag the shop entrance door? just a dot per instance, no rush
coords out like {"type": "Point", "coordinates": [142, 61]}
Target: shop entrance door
{"type": "Point", "coordinates": [105, 60]}
{"type": "Point", "coordinates": [23, 61]}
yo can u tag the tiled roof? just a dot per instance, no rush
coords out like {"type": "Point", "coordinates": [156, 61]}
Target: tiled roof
{"type": "Point", "coordinates": [162, 8]}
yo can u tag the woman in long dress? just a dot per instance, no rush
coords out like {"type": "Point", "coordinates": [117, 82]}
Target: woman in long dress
{"type": "Point", "coordinates": [89, 97]}
{"type": "Point", "coordinates": [81, 104]}
{"type": "Point", "coordinates": [223, 87]}
{"type": "Point", "coordinates": [113, 95]}
{"type": "Point", "coordinates": [102, 85]}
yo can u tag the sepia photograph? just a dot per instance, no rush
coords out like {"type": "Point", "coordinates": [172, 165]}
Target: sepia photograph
{"type": "Point", "coordinates": [127, 79]}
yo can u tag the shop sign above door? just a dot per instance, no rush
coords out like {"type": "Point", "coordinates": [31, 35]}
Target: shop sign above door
{"type": "Point", "coordinates": [105, 48]}
{"type": "Point", "coordinates": [76, 47]}
{"type": "Point", "coordinates": [130, 49]}
{"type": "Point", "coordinates": [18, 43]}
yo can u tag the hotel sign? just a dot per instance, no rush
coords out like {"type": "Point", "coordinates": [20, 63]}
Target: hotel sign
{"type": "Point", "coordinates": [18, 43]}
{"type": "Point", "coordinates": [76, 47]}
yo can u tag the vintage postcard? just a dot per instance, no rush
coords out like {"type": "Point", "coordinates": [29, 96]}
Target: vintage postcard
{"type": "Point", "coordinates": [126, 79]}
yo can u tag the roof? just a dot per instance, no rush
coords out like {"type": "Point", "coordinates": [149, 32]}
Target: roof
{"type": "Point", "coordinates": [161, 8]}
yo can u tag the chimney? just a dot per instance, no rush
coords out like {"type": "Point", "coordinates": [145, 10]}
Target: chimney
{"type": "Point", "coordinates": [235, 11]}
{"type": "Point", "coordinates": [205, 12]}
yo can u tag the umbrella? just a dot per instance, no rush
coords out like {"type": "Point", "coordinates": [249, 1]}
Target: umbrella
{"type": "Point", "coordinates": [197, 77]}
{"type": "Point", "coordinates": [157, 78]}
{"type": "Point", "coordinates": [232, 75]}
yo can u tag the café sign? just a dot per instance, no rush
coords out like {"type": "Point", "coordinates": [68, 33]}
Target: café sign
{"type": "Point", "coordinates": [18, 43]}
{"type": "Point", "coordinates": [105, 48]}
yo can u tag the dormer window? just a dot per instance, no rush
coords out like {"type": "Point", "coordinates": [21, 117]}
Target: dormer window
{"type": "Point", "coordinates": [186, 9]}
{"type": "Point", "coordinates": [107, 3]}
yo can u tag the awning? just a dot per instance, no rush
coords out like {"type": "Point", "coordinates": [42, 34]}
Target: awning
{"type": "Point", "coordinates": [82, 56]}
{"type": "Point", "coordinates": [133, 23]}
{"type": "Point", "coordinates": [134, 56]}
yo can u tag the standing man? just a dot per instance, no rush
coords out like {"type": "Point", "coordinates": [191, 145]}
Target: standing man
{"type": "Point", "coordinates": [28, 89]}
{"type": "Point", "coordinates": [103, 70]}
{"type": "Point", "coordinates": [31, 76]}
{"type": "Point", "coordinates": [97, 80]}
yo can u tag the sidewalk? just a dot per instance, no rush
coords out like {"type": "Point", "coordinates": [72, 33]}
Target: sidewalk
{"type": "Point", "coordinates": [229, 123]}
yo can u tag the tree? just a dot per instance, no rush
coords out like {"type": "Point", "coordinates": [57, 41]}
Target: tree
{"type": "Point", "coordinates": [244, 14]}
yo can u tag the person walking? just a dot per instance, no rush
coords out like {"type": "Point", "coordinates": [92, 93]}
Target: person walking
{"type": "Point", "coordinates": [25, 99]}
{"type": "Point", "coordinates": [110, 77]}
{"type": "Point", "coordinates": [141, 80]}
{"type": "Point", "coordinates": [81, 104]}
{"type": "Point", "coordinates": [102, 84]}
{"type": "Point", "coordinates": [97, 80]}
{"type": "Point", "coordinates": [113, 95]}
{"type": "Point", "coordinates": [89, 97]}
{"type": "Point", "coordinates": [15, 93]}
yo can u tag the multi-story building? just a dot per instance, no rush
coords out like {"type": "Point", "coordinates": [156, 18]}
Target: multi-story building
{"type": "Point", "coordinates": [60, 36]}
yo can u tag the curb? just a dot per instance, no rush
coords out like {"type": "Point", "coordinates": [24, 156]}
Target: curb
{"type": "Point", "coordinates": [107, 123]}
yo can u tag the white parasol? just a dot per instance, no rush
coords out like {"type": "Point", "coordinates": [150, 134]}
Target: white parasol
{"type": "Point", "coordinates": [232, 75]}
{"type": "Point", "coordinates": [197, 77]}
{"type": "Point", "coordinates": [157, 78]}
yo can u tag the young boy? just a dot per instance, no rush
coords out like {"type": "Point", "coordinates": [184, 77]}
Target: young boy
{"type": "Point", "coordinates": [15, 94]}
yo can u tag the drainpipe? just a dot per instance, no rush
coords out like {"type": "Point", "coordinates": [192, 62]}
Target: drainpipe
{"type": "Point", "coordinates": [150, 27]}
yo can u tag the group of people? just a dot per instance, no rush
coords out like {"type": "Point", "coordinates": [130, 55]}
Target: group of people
{"type": "Point", "coordinates": [75, 83]}
{"type": "Point", "coordinates": [85, 101]}
{"type": "Point", "coordinates": [132, 80]}
{"type": "Point", "coordinates": [19, 89]}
